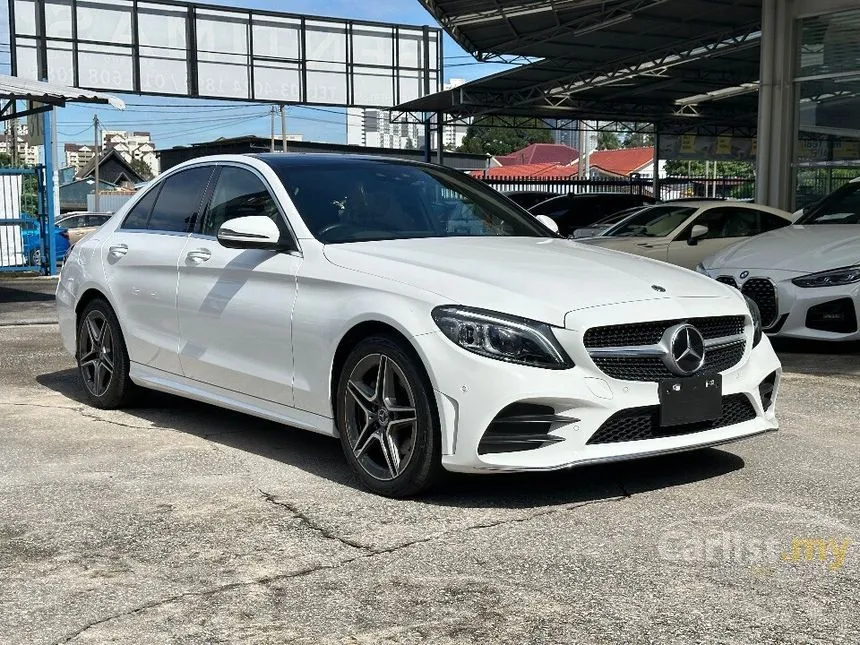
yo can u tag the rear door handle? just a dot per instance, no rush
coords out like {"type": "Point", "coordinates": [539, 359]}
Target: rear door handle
{"type": "Point", "coordinates": [198, 256]}
{"type": "Point", "coordinates": [118, 250]}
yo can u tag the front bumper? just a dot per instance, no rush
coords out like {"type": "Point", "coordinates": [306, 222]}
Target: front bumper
{"type": "Point", "coordinates": [803, 313]}
{"type": "Point", "coordinates": [471, 390]}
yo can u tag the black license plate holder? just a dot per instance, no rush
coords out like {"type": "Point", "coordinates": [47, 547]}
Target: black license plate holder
{"type": "Point", "coordinates": [691, 400]}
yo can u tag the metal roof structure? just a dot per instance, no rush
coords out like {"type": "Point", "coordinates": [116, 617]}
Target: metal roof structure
{"type": "Point", "coordinates": [684, 64]}
{"type": "Point", "coordinates": [14, 89]}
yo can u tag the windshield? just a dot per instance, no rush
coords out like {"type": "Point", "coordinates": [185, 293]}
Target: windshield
{"type": "Point", "coordinates": [656, 221]}
{"type": "Point", "coordinates": [366, 200]}
{"type": "Point", "coordinates": [842, 207]}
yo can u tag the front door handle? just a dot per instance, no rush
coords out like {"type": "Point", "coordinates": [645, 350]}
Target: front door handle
{"type": "Point", "coordinates": [118, 250]}
{"type": "Point", "coordinates": [198, 256]}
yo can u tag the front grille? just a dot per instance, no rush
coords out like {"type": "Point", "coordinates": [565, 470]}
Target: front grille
{"type": "Point", "coordinates": [639, 424]}
{"type": "Point", "coordinates": [729, 280]}
{"type": "Point", "coordinates": [650, 368]}
{"type": "Point", "coordinates": [650, 333]}
{"type": "Point", "coordinates": [763, 293]}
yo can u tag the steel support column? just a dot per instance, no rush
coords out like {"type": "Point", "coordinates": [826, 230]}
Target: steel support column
{"type": "Point", "coordinates": [656, 161]}
{"type": "Point", "coordinates": [777, 130]}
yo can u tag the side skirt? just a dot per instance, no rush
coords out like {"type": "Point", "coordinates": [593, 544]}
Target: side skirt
{"type": "Point", "coordinates": [155, 379]}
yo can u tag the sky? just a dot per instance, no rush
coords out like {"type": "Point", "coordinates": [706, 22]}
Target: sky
{"type": "Point", "coordinates": [180, 121]}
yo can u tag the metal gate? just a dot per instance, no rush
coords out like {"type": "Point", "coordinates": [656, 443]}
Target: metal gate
{"type": "Point", "coordinates": [28, 240]}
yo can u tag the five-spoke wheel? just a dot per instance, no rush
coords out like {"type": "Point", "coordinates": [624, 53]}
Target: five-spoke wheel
{"type": "Point", "coordinates": [95, 351]}
{"type": "Point", "coordinates": [386, 418]}
{"type": "Point", "coordinates": [102, 357]}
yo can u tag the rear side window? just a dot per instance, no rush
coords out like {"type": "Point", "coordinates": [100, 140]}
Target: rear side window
{"type": "Point", "coordinates": [179, 200]}
{"type": "Point", "coordinates": [138, 216]}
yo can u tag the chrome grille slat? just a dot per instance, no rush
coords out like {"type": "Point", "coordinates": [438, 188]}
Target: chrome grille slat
{"type": "Point", "coordinates": [631, 352]}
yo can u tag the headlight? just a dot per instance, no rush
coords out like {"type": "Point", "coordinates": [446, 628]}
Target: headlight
{"type": "Point", "coordinates": [506, 338]}
{"type": "Point", "coordinates": [700, 268]}
{"type": "Point", "coordinates": [756, 317]}
{"type": "Point", "coordinates": [834, 278]}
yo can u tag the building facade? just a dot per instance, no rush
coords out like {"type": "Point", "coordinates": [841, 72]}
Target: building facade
{"type": "Point", "coordinates": [372, 127]}
{"type": "Point", "coordinates": [133, 146]}
{"type": "Point", "coordinates": [78, 155]}
{"type": "Point", "coordinates": [15, 142]}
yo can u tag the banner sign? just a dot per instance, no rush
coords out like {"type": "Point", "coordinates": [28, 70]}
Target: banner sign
{"type": "Point", "coordinates": [170, 48]}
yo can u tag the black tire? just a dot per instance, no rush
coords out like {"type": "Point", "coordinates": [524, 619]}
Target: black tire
{"type": "Point", "coordinates": [99, 347]}
{"type": "Point", "coordinates": [417, 444]}
{"type": "Point", "coordinates": [35, 258]}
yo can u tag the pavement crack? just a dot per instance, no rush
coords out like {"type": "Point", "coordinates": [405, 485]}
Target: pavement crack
{"type": "Point", "coordinates": [367, 553]}
{"type": "Point", "coordinates": [313, 524]}
{"type": "Point", "coordinates": [89, 415]}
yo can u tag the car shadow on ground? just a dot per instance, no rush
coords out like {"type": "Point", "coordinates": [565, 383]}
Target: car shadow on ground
{"type": "Point", "coordinates": [322, 456]}
{"type": "Point", "coordinates": [10, 295]}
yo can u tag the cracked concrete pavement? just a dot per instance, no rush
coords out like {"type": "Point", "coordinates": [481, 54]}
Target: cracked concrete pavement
{"type": "Point", "coordinates": [176, 522]}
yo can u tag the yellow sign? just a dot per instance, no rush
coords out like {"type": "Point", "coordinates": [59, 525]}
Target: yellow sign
{"type": "Point", "coordinates": [688, 143]}
{"type": "Point", "coordinates": [724, 145]}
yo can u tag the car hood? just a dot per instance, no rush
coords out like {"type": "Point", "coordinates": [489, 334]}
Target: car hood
{"type": "Point", "coordinates": [804, 249]}
{"type": "Point", "coordinates": [538, 278]}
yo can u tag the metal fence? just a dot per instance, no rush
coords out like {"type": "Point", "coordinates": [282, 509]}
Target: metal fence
{"type": "Point", "coordinates": [24, 245]}
{"type": "Point", "coordinates": [670, 187]}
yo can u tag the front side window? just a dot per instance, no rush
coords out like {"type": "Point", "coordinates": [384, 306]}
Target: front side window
{"type": "Point", "coordinates": [657, 221]}
{"type": "Point", "coordinates": [238, 193]}
{"type": "Point", "coordinates": [380, 200]}
{"type": "Point", "coordinates": [179, 200]}
{"type": "Point", "coordinates": [842, 207]}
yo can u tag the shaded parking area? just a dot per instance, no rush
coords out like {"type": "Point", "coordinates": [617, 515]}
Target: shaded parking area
{"type": "Point", "coordinates": [176, 522]}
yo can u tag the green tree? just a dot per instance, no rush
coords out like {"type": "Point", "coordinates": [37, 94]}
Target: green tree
{"type": "Point", "coordinates": [608, 140]}
{"type": "Point", "coordinates": [680, 168]}
{"type": "Point", "coordinates": [502, 136]}
{"type": "Point", "coordinates": [141, 168]}
{"type": "Point", "coordinates": [638, 140]}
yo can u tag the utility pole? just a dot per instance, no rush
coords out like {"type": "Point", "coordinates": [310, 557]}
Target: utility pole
{"type": "Point", "coordinates": [97, 157]}
{"type": "Point", "coordinates": [272, 139]}
{"type": "Point", "coordinates": [283, 129]}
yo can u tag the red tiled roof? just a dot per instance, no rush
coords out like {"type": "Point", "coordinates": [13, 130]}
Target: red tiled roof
{"type": "Point", "coordinates": [536, 153]}
{"type": "Point", "coordinates": [621, 162]}
{"type": "Point", "coordinates": [552, 170]}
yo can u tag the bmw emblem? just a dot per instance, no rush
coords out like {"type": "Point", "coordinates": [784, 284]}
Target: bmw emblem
{"type": "Point", "coordinates": [744, 275]}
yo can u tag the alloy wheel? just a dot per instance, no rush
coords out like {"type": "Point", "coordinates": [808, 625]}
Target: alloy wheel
{"type": "Point", "coordinates": [381, 419]}
{"type": "Point", "coordinates": [95, 349]}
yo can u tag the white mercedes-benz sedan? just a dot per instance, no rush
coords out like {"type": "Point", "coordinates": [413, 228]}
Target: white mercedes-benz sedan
{"type": "Point", "coordinates": [408, 309]}
{"type": "Point", "coordinates": [805, 279]}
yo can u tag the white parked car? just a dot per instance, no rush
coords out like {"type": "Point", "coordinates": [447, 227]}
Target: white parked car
{"type": "Point", "coordinates": [686, 232]}
{"type": "Point", "coordinates": [805, 278]}
{"type": "Point", "coordinates": [413, 312]}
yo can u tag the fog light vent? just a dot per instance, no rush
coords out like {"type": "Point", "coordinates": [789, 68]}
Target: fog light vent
{"type": "Point", "coordinates": [766, 391]}
{"type": "Point", "coordinates": [522, 426]}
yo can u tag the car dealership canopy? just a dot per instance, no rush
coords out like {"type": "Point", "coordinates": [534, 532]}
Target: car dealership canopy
{"type": "Point", "coordinates": [657, 61]}
{"type": "Point", "coordinates": [747, 68]}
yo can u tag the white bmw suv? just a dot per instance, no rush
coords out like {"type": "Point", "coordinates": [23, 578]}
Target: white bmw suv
{"type": "Point", "coordinates": [413, 312]}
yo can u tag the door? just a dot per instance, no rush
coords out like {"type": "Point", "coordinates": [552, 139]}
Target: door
{"type": "Point", "coordinates": [141, 266]}
{"type": "Point", "coordinates": [726, 225]}
{"type": "Point", "coordinates": [235, 306]}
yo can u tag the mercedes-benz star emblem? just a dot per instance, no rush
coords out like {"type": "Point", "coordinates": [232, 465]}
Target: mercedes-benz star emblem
{"type": "Point", "coordinates": [685, 350]}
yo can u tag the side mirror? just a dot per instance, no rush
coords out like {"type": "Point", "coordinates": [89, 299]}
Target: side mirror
{"type": "Point", "coordinates": [548, 222]}
{"type": "Point", "coordinates": [698, 231]}
{"type": "Point", "coordinates": [252, 232]}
